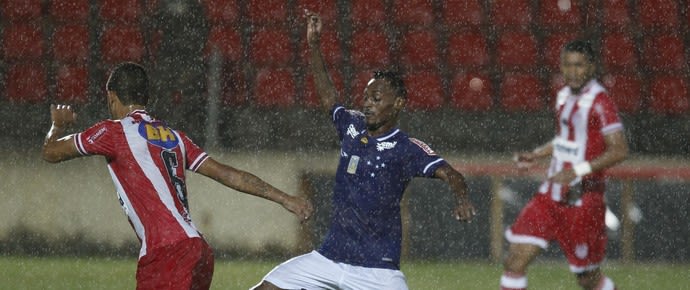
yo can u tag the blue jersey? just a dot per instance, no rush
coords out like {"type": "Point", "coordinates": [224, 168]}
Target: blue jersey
{"type": "Point", "coordinates": [373, 172]}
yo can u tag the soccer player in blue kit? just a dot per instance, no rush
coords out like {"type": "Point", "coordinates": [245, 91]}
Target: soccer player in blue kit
{"type": "Point", "coordinates": [377, 160]}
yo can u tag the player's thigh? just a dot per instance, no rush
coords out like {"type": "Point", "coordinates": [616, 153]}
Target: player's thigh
{"type": "Point", "coordinates": [373, 278]}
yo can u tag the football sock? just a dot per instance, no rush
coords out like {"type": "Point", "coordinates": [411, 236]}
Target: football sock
{"type": "Point", "coordinates": [513, 281]}
{"type": "Point", "coordinates": [606, 284]}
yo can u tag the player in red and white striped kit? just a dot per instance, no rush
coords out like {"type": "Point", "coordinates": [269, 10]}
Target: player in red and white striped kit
{"type": "Point", "coordinates": [147, 162]}
{"type": "Point", "coordinates": [569, 206]}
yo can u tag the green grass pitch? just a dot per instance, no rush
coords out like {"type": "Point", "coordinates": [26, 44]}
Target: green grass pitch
{"type": "Point", "coordinates": [103, 273]}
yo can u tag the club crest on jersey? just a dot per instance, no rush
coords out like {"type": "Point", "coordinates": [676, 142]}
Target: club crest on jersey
{"type": "Point", "coordinates": [423, 145]}
{"type": "Point", "coordinates": [158, 134]}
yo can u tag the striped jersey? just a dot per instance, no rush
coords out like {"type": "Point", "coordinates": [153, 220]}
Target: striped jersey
{"type": "Point", "coordinates": [373, 172]}
{"type": "Point", "coordinates": [582, 122]}
{"type": "Point", "coordinates": [147, 162]}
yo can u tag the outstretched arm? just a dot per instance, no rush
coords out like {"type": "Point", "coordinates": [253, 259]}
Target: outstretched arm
{"type": "Point", "coordinates": [55, 148]}
{"type": "Point", "coordinates": [322, 81]}
{"type": "Point", "coordinates": [248, 183]}
{"type": "Point", "coordinates": [464, 209]}
{"type": "Point", "coordinates": [525, 159]}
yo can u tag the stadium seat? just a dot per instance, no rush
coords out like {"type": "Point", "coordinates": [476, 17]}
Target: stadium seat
{"type": "Point", "coordinates": [521, 93]}
{"type": "Point", "coordinates": [271, 47]}
{"type": "Point", "coordinates": [664, 52]}
{"type": "Point", "coordinates": [222, 12]}
{"type": "Point", "coordinates": [70, 43]}
{"type": "Point", "coordinates": [424, 91]}
{"type": "Point", "coordinates": [560, 14]}
{"type": "Point", "coordinates": [233, 86]}
{"type": "Point", "coordinates": [418, 49]}
{"type": "Point", "coordinates": [616, 15]}
{"type": "Point", "coordinates": [274, 88]}
{"type": "Point", "coordinates": [514, 13]}
{"type": "Point", "coordinates": [618, 52]}
{"type": "Point", "coordinates": [658, 14]}
{"type": "Point", "coordinates": [265, 12]}
{"type": "Point", "coordinates": [227, 40]}
{"type": "Point", "coordinates": [121, 11]}
{"type": "Point", "coordinates": [70, 11]}
{"type": "Point", "coordinates": [370, 48]}
{"type": "Point", "coordinates": [327, 9]}
{"type": "Point", "coordinates": [22, 42]}
{"type": "Point", "coordinates": [625, 91]}
{"type": "Point", "coordinates": [72, 84]}
{"type": "Point", "coordinates": [122, 43]}
{"type": "Point", "coordinates": [26, 83]}
{"type": "Point", "coordinates": [467, 49]}
{"type": "Point", "coordinates": [669, 95]}
{"type": "Point", "coordinates": [556, 84]}
{"type": "Point", "coordinates": [330, 48]}
{"type": "Point", "coordinates": [21, 10]}
{"type": "Point", "coordinates": [471, 92]}
{"type": "Point", "coordinates": [516, 49]}
{"type": "Point", "coordinates": [462, 13]}
{"type": "Point", "coordinates": [311, 98]}
{"type": "Point", "coordinates": [413, 12]}
{"type": "Point", "coordinates": [367, 13]}
{"type": "Point", "coordinates": [553, 45]}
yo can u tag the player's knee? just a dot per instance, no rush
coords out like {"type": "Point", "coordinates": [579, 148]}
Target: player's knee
{"type": "Point", "coordinates": [588, 280]}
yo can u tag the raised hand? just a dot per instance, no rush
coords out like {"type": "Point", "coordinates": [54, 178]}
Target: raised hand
{"type": "Point", "coordinates": [314, 25]}
{"type": "Point", "coordinates": [62, 115]}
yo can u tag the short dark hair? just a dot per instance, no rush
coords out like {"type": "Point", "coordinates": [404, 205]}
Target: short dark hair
{"type": "Point", "coordinates": [130, 82]}
{"type": "Point", "coordinates": [395, 79]}
{"type": "Point", "coordinates": [581, 46]}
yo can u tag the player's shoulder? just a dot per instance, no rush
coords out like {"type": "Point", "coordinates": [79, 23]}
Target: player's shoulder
{"type": "Point", "coordinates": [420, 145]}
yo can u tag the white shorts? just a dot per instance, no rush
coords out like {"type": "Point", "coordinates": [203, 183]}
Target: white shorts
{"type": "Point", "coordinates": [314, 271]}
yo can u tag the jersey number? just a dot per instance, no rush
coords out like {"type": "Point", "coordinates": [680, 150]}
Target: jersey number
{"type": "Point", "coordinates": [170, 161]}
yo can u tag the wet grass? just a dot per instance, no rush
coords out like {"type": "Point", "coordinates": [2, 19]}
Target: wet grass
{"type": "Point", "coordinates": [118, 273]}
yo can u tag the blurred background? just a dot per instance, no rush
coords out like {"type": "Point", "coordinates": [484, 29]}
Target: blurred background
{"type": "Point", "coordinates": [482, 77]}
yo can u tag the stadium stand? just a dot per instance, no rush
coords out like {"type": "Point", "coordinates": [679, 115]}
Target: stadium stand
{"type": "Point", "coordinates": [419, 13]}
{"type": "Point", "coordinates": [370, 48]}
{"type": "Point", "coordinates": [222, 12]}
{"type": "Point", "coordinates": [560, 14]}
{"type": "Point", "coordinates": [274, 88]}
{"type": "Point", "coordinates": [511, 14]}
{"type": "Point", "coordinates": [424, 90]}
{"type": "Point", "coordinates": [227, 40]}
{"type": "Point", "coordinates": [658, 14]}
{"type": "Point", "coordinates": [467, 49]}
{"type": "Point", "coordinates": [271, 47]}
{"type": "Point", "coordinates": [330, 47]}
{"type": "Point", "coordinates": [516, 49]}
{"type": "Point", "coordinates": [461, 14]}
{"type": "Point", "coordinates": [22, 42]}
{"type": "Point", "coordinates": [327, 9]}
{"type": "Point", "coordinates": [70, 11]}
{"type": "Point", "coordinates": [367, 13]}
{"type": "Point", "coordinates": [471, 92]}
{"type": "Point", "coordinates": [625, 90]}
{"type": "Point", "coordinates": [418, 49]}
{"type": "Point", "coordinates": [70, 43]}
{"type": "Point", "coordinates": [122, 43]}
{"type": "Point", "coordinates": [618, 52]}
{"type": "Point", "coordinates": [521, 93]}
{"type": "Point", "coordinates": [553, 44]}
{"type": "Point", "coordinates": [311, 99]}
{"type": "Point", "coordinates": [267, 12]}
{"type": "Point", "coordinates": [72, 84]}
{"type": "Point", "coordinates": [664, 52]}
{"type": "Point", "coordinates": [26, 83]}
{"type": "Point", "coordinates": [21, 10]}
{"type": "Point", "coordinates": [669, 95]}
{"type": "Point", "coordinates": [121, 11]}
{"type": "Point", "coordinates": [615, 15]}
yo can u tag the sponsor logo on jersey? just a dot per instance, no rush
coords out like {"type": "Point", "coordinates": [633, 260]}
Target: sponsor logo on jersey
{"type": "Point", "coordinates": [96, 135]}
{"type": "Point", "coordinates": [385, 145]}
{"type": "Point", "coordinates": [423, 145]}
{"type": "Point", "coordinates": [158, 134]}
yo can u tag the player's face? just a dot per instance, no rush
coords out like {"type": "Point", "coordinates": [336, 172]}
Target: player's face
{"type": "Point", "coordinates": [577, 70]}
{"type": "Point", "coordinates": [381, 106]}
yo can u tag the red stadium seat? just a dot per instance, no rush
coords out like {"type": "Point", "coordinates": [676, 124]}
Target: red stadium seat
{"type": "Point", "coordinates": [467, 49]}
{"type": "Point", "coordinates": [271, 47]}
{"type": "Point", "coordinates": [227, 40]}
{"type": "Point", "coordinates": [424, 91]}
{"type": "Point", "coordinates": [72, 84]}
{"type": "Point", "coordinates": [222, 12]}
{"type": "Point", "coordinates": [669, 95]}
{"type": "Point", "coordinates": [327, 9]}
{"type": "Point", "coordinates": [366, 13]}
{"type": "Point", "coordinates": [26, 83]}
{"type": "Point", "coordinates": [463, 13]}
{"type": "Point", "coordinates": [625, 90]}
{"type": "Point", "coordinates": [311, 98]}
{"type": "Point", "coordinates": [560, 14]}
{"type": "Point", "coordinates": [234, 86]}
{"type": "Point", "coordinates": [370, 49]}
{"type": "Point", "coordinates": [70, 11]}
{"type": "Point", "coordinates": [616, 15]}
{"type": "Point", "coordinates": [121, 11]}
{"type": "Point", "coordinates": [267, 11]}
{"type": "Point", "coordinates": [122, 43]}
{"type": "Point", "coordinates": [413, 12]}
{"type": "Point", "coordinates": [517, 49]}
{"type": "Point", "coordinates": [664, 52]}
{"type": "Point", "coordinates": [418, 49]}
{"type": "Point", "coordinates": [471, 92]}
{"type": "Point", "coordinates": [658, 14]}
{"type": "Point", "coordinates": [330, 48]}
{"type": "Point", "coordinates": [71, 43]}
{"type": "Point", "coordinates": [553, 45]}
{"type": "Point", "coordinates": [521, 93]}
{"type": "Point", "coordinates": [22, 42]}
{"type": "Point", "coordinates": [21, 10]}
{"type": "Point", "coordinates": [511, 13]}
{"type": "Point", "coordinates": [618, 52]}
{"type": "Point", "coordinates": [274, 88]}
